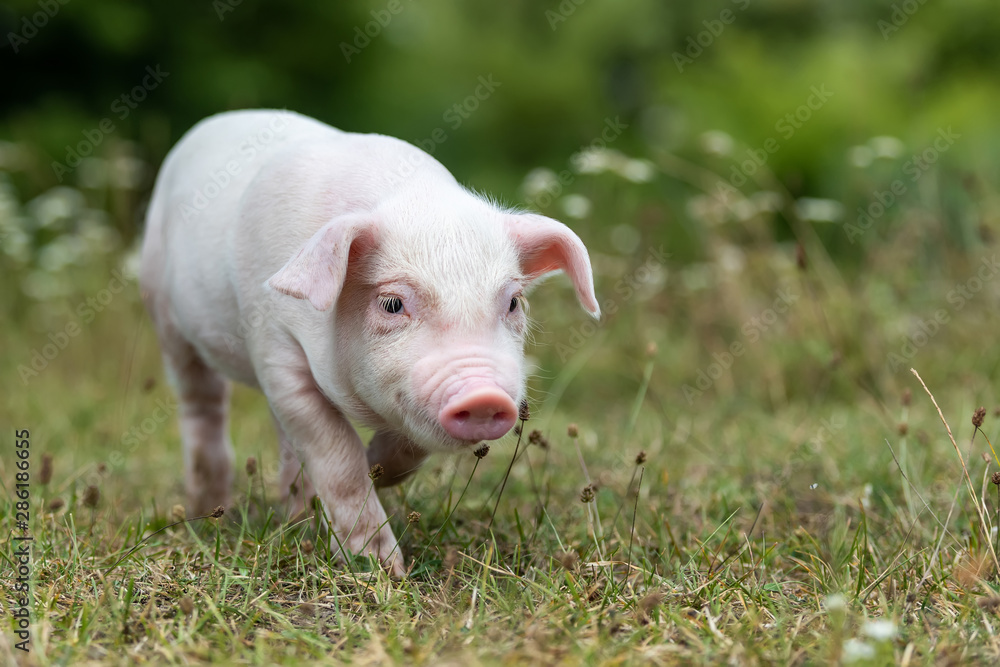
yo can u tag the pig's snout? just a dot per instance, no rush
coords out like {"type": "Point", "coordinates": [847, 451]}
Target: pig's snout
{"type": "Point", "coordinates": [480, 413]}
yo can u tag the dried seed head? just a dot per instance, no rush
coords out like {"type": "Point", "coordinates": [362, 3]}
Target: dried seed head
{"type": "Point", "coordinates": [56, 504]}
{"type": "Point", "coordinates": [990, 603]}
{"type": "Point", "coordinates": [996, 478]}
{"type": "Point", "coordinates": [413, 517]}
{"type": "Point", "coordinates": [517, 429]}
{"type": "Point", "coordinates": [903, 428]}
{"type": "Point", "coordinates": [986, 457]}
{"type": "Point", "coordinates": [587, 495]}
{"type": "Point", "coordinates": [187, 605]}
{"type": "Point", "coordinates": [482, 451]}
{"type": "Point", "coordinates": [251, 466]}
{"type": "Point", "coordinates": [376, 472]}
{"type": "Point", "coordinates": [650, 602]}
{"type": "Point", "coordinates": [177, 513]}
{"type": "Point", "coordinates": [568, 559]}
{"type": "Point", "coordinates": [523, 413]}
{"type": "Point", "coordinates": [217, 512]}
{"type": "Point", "coordinates": [450, 558]}
{"type": "Point", "coordinates": [102, 468]}
{"type": "Point", "coordinates": [91, 496]}
{"type": "Point", "coordinates": [536, 438]}
{"type": "Point", "coordinates": [293, 489]}
{"type": "Point", "coordinates": [640, 458]}
{"type": "Point", "coordinates": [651, 349]}
{"type": "Point", "coordinates": [45, 473]}
{"type": "Point", "coordinates": [977, 418]}
{"type": "Point", "coordinates": [307, 546]}
{"type": "Point", "coordinates": [907, 396]}
{"type": "Point", "coordinates": [572, 430]}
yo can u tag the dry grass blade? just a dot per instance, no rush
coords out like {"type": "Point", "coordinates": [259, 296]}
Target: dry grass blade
{"type": "Point", "coordinates": [972, 490]}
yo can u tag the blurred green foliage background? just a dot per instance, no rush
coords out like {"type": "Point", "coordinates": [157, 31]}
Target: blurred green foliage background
{"type": "Point", "coordinates": [562, 68]}
{"type": "Point", "coordinates": [715, 157]}
{"type": "Point", "coordinates": [744, 135]}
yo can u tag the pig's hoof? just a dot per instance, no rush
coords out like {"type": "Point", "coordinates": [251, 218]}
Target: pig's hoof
{"type": "Point", "coordinates": [296, 509]}
{"type": "Point", "coordinates": [395, 566]}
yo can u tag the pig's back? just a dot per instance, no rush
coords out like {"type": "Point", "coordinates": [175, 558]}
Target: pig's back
{"type": "Point", "coordinates": [188, 262]}
{"type": "Point", "coordinates": [236, 198]}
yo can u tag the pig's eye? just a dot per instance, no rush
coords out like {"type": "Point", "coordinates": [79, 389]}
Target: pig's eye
{"type": "Point", "coordinates": [513, 305]}
{"type": "Point", "coordinates": [390, 304]}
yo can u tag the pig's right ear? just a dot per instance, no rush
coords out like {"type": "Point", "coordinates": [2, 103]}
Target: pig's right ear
{"type": "Point", "coordinates": [318, 271]}
{"type": "Point", "coordinates": [546, 245]}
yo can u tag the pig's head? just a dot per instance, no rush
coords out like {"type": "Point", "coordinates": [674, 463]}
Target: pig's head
{"type": "Point", "coordinates": [430, 312]}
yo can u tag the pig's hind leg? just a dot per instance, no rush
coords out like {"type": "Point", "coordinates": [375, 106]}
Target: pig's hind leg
{"type": "Point", "coordinates": [203, 395]}
{"type": "Point", "coordinates": [398, 456]}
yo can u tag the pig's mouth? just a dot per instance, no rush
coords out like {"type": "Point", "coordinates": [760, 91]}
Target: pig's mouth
{"type": "Point", "coordinates": [466, 401]}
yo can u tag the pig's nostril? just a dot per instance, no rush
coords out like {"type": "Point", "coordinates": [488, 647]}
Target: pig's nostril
{"type": "Point", "coordinates": [462, 416]}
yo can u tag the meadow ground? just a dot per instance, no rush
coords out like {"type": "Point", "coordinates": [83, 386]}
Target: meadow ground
{"type": "Point", "coordinates": [756, 478]}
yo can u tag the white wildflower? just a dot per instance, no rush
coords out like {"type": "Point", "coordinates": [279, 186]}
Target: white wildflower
{"type": "Point", "coordinates": [576, 206]}
{"type": "Point", "coordinates": [637, 171]}
{"type": "Point", "coordinates": [731, 259]}
{"type": "Point", "coordinates": [860, 156]}
{"type": "Point", "coordinates": [880, 630]}
{"type": "Point", "coordinates": [596, 160]}
{"type": "Point", "coordinates": [887, 147]}
{"type": "Point", "coordinates": [127, 172]}
{"type": "Point", "coordinates": [767, 201]}
{"type": "Point", "coordinates": [835, 602]}
{"type": "Point", "coordinates": [716, 142]}
{"type": "Point", "coordinates": [819, 210]}
{"type": "Point", "coordinates": [856, 650]}
{"type": "Point", "coordinates": [538, 181]}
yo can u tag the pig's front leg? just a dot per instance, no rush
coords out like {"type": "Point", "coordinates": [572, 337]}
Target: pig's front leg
{"type": "Point", "coordinates": [398, 456]}
{"type": "Point", "coordinates": [295, 486]}
{"type": "Point", "coordinates": [334, 459]}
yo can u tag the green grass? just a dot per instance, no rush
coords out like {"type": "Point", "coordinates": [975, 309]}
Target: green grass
{"type": "Point", "coordinates": [778, 515]}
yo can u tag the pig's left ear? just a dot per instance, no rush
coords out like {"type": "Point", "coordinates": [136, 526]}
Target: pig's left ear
{"type": "Point", "coordinates": [318, 271]}
{"type": "Point", "coordinates": [546, 245]}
